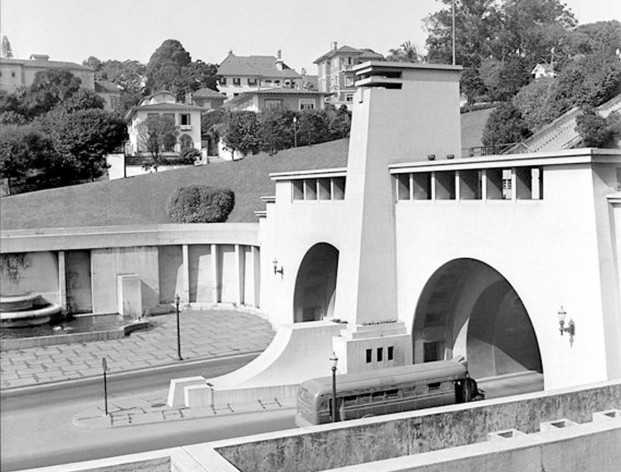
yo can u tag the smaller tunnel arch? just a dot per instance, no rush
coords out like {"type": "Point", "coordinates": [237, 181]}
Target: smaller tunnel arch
{"type": "Point", "coordinates": [315, 284]}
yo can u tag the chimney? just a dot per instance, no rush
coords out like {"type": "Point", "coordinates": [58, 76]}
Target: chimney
{"type": "Point", "coordinates": [334, 45]}
{"type": "Point", "coordinates": [279, 64]}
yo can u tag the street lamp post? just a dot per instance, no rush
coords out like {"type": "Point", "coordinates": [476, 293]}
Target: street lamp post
{"type": "Point", "coordinates": [295, 131]}
{"type": "Point", "coordinates": [333, 362]}
{"type": "Point", "coordinates": [178, 329]}
{"type": "Point", "coordinates": [104, 367]}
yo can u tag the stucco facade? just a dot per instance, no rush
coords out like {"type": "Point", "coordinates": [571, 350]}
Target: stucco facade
{"type": "Point", "coordinates": [163, 105]}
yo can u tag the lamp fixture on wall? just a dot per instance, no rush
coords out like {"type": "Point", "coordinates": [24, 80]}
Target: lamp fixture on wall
{"type": "Point", "coordinates": [571, 327]}
{"type": "Point", "coordinates": [277, 270]}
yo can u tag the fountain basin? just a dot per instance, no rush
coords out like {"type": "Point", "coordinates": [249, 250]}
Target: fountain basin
{"type": "Point", "coordinates": [26, 309]}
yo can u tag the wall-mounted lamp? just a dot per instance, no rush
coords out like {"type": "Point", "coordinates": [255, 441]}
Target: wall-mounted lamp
{"type": "Point", "coordinates": [277, 270]}
{"type": "Point", "coordinates": [571, 327]}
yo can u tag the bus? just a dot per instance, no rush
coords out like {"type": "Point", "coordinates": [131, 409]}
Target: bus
{"type": "Point", "coordinates": [390, 390]}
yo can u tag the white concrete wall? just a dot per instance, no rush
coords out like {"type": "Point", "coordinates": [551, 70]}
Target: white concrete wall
{"type": "Point", "coordinates": [33, 272]}
{"type": "Point", "coordinates": [547, 250]}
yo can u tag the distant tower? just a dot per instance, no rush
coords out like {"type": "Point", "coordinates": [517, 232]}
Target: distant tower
{"type": "Point", "coordinates": [6, 51]}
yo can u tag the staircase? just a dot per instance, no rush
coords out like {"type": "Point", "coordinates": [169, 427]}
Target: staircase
{"type": "Point", "coordinates": [561, 133]}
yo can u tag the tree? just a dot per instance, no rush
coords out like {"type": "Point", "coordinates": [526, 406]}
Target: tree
{"type": "Point", "coordinates": [129, 76]}
{"type": "Point", "coordinates": [82, 140]}
{"type": "Point", "coordinates": [339, 122]}
{"type": "Point", "coordinates": [165, 67]}
{"type": "Point", "coordinates": [241, 133]}
{"type": "Point", "coordinates": [157, 135]}
{"type": "Point", "coordinates": [405, 53]}
{"type": "Point", "coordinates": [505, 125]}
{"type": "Point", "coordinates": [21, 149]}
{"type": "Point", "coordinates": [471, 84]}
{"type": "Point", "coordinates": [595, 130]}
{"type": "Point", "coordinates": [6, 51]}
{"type": "Point", "coordinates": [313, 126]}
{"type": "Point", "coordinates": [537, 105]}
{"type": "Point", "coordinates": [276, 128]}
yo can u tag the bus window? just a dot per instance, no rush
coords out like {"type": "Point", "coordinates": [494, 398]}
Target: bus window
{"type": "Point", "coordinates": [391, 394]}
{"type": "Point", "coordinates": [435, 386]}
{"type": "Point", "coordinates": [377, 396]}
{"type": "Point", "coordinates": [351, 400]}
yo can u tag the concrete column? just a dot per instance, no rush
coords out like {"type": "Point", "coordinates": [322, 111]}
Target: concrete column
{"type": "Point", "coordinates": [185, 296]}
{"type": "Point", "coordinates": [62, 280]}
{"type": "Point", "coordinates": [240, 273]}
{"type": "Point", "coordinates": [484, 185]}
{"type": "Point", "coordinates": [433, 186]}
{"type": "Point", "coordinates": [256, 276]}
{"type": "Point", "coordinates": [215, 274]}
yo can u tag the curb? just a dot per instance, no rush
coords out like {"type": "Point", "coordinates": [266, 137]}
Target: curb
{"type": "Point", "coordinates": [51, 386]}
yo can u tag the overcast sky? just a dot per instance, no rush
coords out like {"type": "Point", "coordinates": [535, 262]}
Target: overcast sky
{"type": "Point", "coordinates": [72, 30]}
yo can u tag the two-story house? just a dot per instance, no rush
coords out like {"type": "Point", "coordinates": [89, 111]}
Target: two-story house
{"type": "Point", "coordinates": [335, 71]}
{"type": "Point", "coordinates": [277, 98]}
{"type": "Point", "coordinates": [240, 74]}
{"type": "Point", "coordinates": [16, 73]}
{"type": "Point", "coordinates": [187, 119]}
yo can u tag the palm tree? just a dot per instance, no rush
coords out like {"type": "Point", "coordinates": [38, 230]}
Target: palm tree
{"type": "Point", "coordinates": [405, 53]}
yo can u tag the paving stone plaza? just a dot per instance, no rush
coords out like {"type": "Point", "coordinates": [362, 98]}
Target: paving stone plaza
{"type": "Point", "coordinates": [204, 335]}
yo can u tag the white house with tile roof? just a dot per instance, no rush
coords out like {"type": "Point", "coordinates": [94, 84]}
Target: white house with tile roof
{"type": "Point", "coordinates": [278, 98]}
{"type": "Point", "coordinates": [187, 119]}
{"type": "Point", "coordinates": [240, 74]}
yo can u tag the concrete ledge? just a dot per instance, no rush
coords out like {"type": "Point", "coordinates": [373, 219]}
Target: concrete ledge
{"type": "Point", "coordinates": [176, 391]}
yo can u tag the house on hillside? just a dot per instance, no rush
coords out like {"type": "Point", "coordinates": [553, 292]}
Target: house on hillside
{"type": "Point", "coordinates": [543, 69]}
{"type": "Point", "coordinates": [277, 98]}
{"type": "Point", "coordinates": [16, 73]}
{"type": "Point", "coordinates": [335, 72]}
{"type": "Point", "coordinates": [110, 93]}
{"type": "Point", "coordinates": [187, 119]}
{"type": "Point", "coordinates": [240, 74]}
{"type": "Point", "coordinates": [206, 98]}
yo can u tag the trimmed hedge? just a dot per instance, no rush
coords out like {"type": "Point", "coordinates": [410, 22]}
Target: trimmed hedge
{"type": "Point", "coordinates": [200, 204]}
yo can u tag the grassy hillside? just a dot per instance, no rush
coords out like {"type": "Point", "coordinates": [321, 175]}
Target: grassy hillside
{"type": "Point", "coordinates": [142, 199]}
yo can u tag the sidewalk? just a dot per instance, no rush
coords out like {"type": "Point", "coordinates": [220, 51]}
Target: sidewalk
{"type": "Point", "coordinates": [153, 409]}
{"type": "Point", "coordinates": [205, 334]}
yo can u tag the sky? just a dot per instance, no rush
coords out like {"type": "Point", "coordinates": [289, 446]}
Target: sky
{"type": "Point", "coordinates": [73, 30]}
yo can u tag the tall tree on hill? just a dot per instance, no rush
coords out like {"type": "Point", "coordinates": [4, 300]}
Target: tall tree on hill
{"type": "Point", "coordinates": [6, 50]}
{"type": "Point", "coordinates": [241, 133]}
{"type": "Point", "coordinates": [129, 76]}
{"type": "Point", "coordinates": [171, 68]}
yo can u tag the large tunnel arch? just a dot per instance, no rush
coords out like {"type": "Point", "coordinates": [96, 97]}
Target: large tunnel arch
{"type": "Point", "coordinates": [315, 284]}
{"type": "Point", "coordinates": [468, 308]}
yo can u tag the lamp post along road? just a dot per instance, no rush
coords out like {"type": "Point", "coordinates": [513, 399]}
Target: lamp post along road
{"type": "Point", "coordinates": [104, 368]}
{"type": "Point", "coordinates": [333, 363]}
{"type": "Point", "coordinates": [178, 329]}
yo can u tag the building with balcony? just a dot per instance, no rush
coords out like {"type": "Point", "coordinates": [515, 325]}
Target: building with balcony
{"type": "Point", "coordinates": [239, 74]}
{"type": "Point", "coordinates": [335, 74]}
{"type": "Point", "coordinates": [187, 119]}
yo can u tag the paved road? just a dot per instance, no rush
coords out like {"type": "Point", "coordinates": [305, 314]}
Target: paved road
{"type": "Point", "coordinates": [204, 335]}
{"type": "Point", "coordinates": [38, 427]}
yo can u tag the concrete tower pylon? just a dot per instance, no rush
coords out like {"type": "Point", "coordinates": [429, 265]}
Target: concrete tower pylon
{"type": "Point", "coordinates": [401, 113]}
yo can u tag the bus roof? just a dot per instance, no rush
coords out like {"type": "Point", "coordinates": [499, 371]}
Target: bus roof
{"type": "Point", "coordinates": [429, 371]}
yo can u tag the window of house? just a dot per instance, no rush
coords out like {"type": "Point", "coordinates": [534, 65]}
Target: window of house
{"type": "Point", "coordinates": [273, 104]}
{"type": "Point", "coordinates": [153, 116]}
{"type": "Point", "coordinates": [13, 74]}
{"type": "Point", "coordinates": [268, 81]}
{"type": "Point", "coordinates": [184, 119]}
{"type": "Point", "coordinates": [380, 354]}
{"type": "Point", "coordinates": [391, 353]}
{"type": "Point", "coordinates": [369, 355]}
{"type": "Point", "coordinates": [223, 81]}
{"type": "Point", "coordinates": [169, 117]}
{"type": "Point", "coordinates": [307, 103]}
{"type": "Point", "coordinates": [349, 97]}
{"type": "Point", "coordinates": [236, 81]}
{"type": "Point", "coordinates": [252, 82]}
{"type": "Point", "coordinates": [277, 82]}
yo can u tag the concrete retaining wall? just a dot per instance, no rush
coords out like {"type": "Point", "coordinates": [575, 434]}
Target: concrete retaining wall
{"type": "Point", "coordinates": [361, 441]}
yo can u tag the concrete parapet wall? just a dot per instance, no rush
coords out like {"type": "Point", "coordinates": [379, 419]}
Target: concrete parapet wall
{"type": "Point", "coordinates": [374, 439]}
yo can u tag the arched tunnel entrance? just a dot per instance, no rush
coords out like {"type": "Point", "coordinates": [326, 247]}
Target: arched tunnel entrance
{"type": "Point", "coordinates": [468, 308]}
{"type": "Point", "coordinates": [315, 285]}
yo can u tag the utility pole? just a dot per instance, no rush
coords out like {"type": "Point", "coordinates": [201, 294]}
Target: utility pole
{"type": "Point", "coordinates": [453, 29]}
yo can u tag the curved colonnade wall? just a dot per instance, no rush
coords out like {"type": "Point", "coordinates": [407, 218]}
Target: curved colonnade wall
{"type": "Point", "coordinates": [77, 268]}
